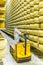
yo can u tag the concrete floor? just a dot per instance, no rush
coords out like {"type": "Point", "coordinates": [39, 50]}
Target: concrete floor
{"type": "Point", "coordinates": [8, 60]}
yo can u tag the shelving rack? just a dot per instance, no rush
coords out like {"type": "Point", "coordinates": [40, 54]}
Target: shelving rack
{"type": "Point", "coordinates": [2, 14]}
{"type": "Point", "coordinates": [3, 41]}
{"type": "Point", "coordinates": [25, 14]}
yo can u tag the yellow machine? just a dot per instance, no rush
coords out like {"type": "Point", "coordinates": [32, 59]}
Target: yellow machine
{"type": "Point", "coordinates": [21, 51]}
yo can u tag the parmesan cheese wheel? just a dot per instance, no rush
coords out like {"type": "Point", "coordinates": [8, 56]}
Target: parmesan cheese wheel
{"type": "Point", "coordinates": [32, 3]}
{"type": "Point", "coordinates": [41, 40]}
{"type": "Point", "coordinates": [41, 11]}
{"type": "Point", "coordinates": [33, 38]}
{"type": "Point", "coordinates": [36, 2]}
{"type": "Point", "coordinates": [42, 26]}
{"type": "Point", "coordinates": [27, 16]}
{"type": "Point", "coordinates": [28, 11]}
{"type": "Point", "coordinates": [34, 32]}
{"type": "Point", "coordinates": [28, 6]}
{"type": "Point", "coordinates": [41, 19]}
{"type": "Point", "coordinates": [41, 4]}
{"type": "Point", "coordinates": [35, 45]}
{"type": "Point", "coordinates": [36, 20]}
{"type": "Point", "coordinates": [36, 14]}
{"type": "Point", "coordinates": [32, 9]}
{"type": "Point", "coordinates": [3, 44]}
{"type": "Point", "coordinates": [21, 1]}
{"type": "Point", "coordinates": [31, 15]}
{"type": "Point", "coordinates": [41, 47]}
{"type": "Point", "coordinates": [23, 26]}
{"type": "Point", "coordinates": [28, 1]}
{"type": "Point", "coordinates": [34, 26]}
{"type": "Point", "coordinates": [25, 3]}
{"type": "Point", "coordinates": [40, 33]}
{"type": "Point", "coordinates": [31, 20]}
{"type": "Point", "coordinates": [36, 7]}
{"type": "Point", "coordinates": [2, 53]}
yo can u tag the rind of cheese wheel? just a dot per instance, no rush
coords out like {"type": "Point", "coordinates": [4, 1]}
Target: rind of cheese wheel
{"type": "Point", "coordinates": [31, 20]}
{"type": "Point", "coordinates": [34, 26]}
{"type": "Point", "coordinates": [42, 26]}
{"type": "Point", "coordinates": [32, 9]}
{"type": "Point", "coordinates": [28, 11]}
{"type": "Point", "coordinates": [36, 7]}
{"type": "Point", "coordinates": [41, 47]}
{"type": "Point", "coordinates": [36, 2]}
{"type": "Point", "coordinates": [2, 53]}
{"type": "Point", "coordinates": [23, 26]}
{"type": "Point", "coordinates": [34, 32]}
{"type": "Point", "coordinates": [33, 38]}
{"type": "Point", "coordinates": [41, 12]}
{"type": "Point", "coordinates": [32, 3]}
{"type": "Point", "coordinates": [3, 44]}
{"type": "Point", "coordinates": [27, 17]}
{"type": "Point", "coordinates": [31, 15]}
{"type": "Point", "coordinates": [36, 14]}
{"type": "Point", "coordinates": [35, 45]}
{"type": "Point", "coordinates": [41, 33]}
{"type": "Point", "coordinates": [41, 4]}
{"type": "Point", "coordinates": [27, 6]}
{"type": "Point", "coordinates": [41, 19]}
{"type": "Point", "coordinates": [36, 20]}
{"type": "Point", "coordinates": [41, 40]}
{"type": "Point", "coordinates": [28, 1]}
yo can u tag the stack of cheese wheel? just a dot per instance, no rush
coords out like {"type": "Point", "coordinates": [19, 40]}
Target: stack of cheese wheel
{"type": "Point", "coordinates": [27, 16]}
{"type": "Point", "coordinates": [2, 14]}
{"type": "Point", "coordinates": [41, 25]}
{"type": "Point", "coordinates": [3, 41]}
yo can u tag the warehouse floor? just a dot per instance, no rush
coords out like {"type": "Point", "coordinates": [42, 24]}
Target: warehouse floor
{"type": "Point", "coordinates": [8, 60]}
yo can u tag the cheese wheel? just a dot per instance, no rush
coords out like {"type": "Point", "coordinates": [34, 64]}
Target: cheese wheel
{"type": "Point", "coordinates": [31, 20]}
{"type": "Point", "coordinates": [32, 3]}
{"type": "Point", "coordinates": [41, 47]}
{"type": "Point", "coordinates": [41, 40]}
{"type": "Point", "coordinates": [32, 9]}
{"type": "Point", "coordinates": [28, 1]}
{"type": "Point", "coordinates": [31, 15]}
{"type": "Point", "coordinates": [36, 2]}
{"type": "Point", "coordinates": [27, 16]}
{"type": "Point", "coordinates": [41, 33]}
{"type": "Point", "coordinates": [36, 7]}
{"type": "Point", "coordinates": [30, 42]}
{"type": "Point", "coordinates": [41, 12]}
{"type": "Point", "coordinates": [34, 26]}
{"type": "Point", "coordinates": [2, 53]}
{"type": "Point", "coordinates": [36, 20]}
{"type": "Point", "coordinates": [28, 6]}
{"type": "Point", "coordinates": [41, 19]}
{"type": "Point", "coordinates": [34, 32]}
{"type": "Point", "coordinates": [21, 1]}
{"type": "Point", "coordinates": [28, 11]}
{"type": "Point", "coordinates": [36, 14]}
{"type": "Point", "coordinates": [23, 26]}
{"type": "Point", "coordinates": [42, 26]}
{"type": "Point", "coordinates": [41, 4]}
{"type": "Point", "coordinates": [24, 3]}
{"type": "Point", "coordinates": [35, 45]}
{"type": "Point", "coordinates": [33, 38]}
{"type": "Point", "coordinates": [3, 44]}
